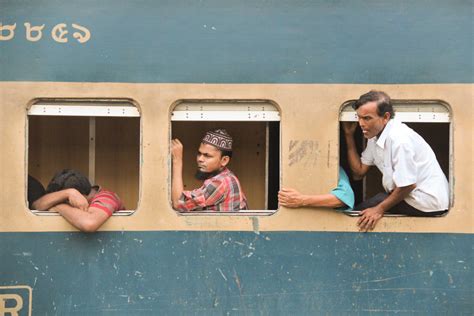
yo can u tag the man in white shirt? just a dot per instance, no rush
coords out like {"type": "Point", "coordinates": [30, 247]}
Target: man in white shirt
{"type": "Point", "coordinates": [413, 180]}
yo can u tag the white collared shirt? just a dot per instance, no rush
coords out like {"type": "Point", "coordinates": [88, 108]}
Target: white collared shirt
{"type": "Point", "coordinates": [405, 158]}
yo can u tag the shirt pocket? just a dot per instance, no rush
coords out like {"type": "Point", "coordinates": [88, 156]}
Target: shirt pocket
{"type": "Point", "coordinates": [379, 158]}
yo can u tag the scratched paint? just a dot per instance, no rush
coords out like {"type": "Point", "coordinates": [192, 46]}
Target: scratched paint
{"type": "Point", "coordinates": [215, 273]}
{"type": "Point", "coordinates": [255, 272]}
{"type": "Point", "coordinates": [273, 41]}
{"type": "Point", "coordinates": [304, 152]}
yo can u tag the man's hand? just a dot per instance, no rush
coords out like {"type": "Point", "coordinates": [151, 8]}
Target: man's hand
{"type": "Point", "coordinates": [349, 128]}
{"type": "Point", "coordinates": [369, 218]}
{"type": "Point", "coordinates": [77, 200]}
{"type": "Point", "coordinates": [290, 198]}
{"type": "Point", "coordinates": [176, 149]}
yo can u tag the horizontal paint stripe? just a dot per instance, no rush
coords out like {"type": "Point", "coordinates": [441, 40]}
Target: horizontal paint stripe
{"type": "Point", "coordinates": [274, 41]}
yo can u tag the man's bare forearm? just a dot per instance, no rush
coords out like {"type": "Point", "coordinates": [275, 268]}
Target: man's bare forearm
{"type": "Point", "coordinates": [322, 200]}
{"type": "Point", "coordinates": [395, 197]}
{"type": "Point", "coordinates": [73, 215]}
{"type": "Point", "coordinates": [353, 157]}
{"type": "Point", "coordinates": [370, 216]}
{"type": "Point", "coordinates": [177, 186]}
{"type": "Point", "coordinates": [86, 221]}
{"type": "Point", "coordinates": [51, 199]}
{"type": "Point", "coordinates": [291, 198]}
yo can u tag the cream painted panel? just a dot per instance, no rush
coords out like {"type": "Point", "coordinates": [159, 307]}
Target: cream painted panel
{"type": "Point", "coordinates": [309, 130]}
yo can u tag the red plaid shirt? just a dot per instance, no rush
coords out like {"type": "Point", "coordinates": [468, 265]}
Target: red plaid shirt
{"type": "Point", "coordinates": [107, 201]}
{"type": "Point", "coordinates": [221, 193]}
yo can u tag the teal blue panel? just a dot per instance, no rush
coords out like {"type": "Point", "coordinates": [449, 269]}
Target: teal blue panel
{"type": "Point", "coordinates": [247, 41]}
{"type": "Point", "coordinates": [241, 273]}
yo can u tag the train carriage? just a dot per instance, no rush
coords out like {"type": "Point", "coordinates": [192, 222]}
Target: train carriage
{"type": "Point", "coordinates": [104, 87]}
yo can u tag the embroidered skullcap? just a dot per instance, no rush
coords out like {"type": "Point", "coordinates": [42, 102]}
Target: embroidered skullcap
{"type": "Point", "coordinates": [218, 138]}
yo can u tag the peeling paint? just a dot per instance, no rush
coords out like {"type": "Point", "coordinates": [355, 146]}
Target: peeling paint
{"type": "Point", "coordinates": [255, 225]}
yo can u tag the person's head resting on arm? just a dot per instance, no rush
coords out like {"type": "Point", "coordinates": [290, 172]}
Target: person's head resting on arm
{"type": "Point", "coordinates": [81, 204]}
{"type": "Point", "coordinates": [67, 186]}
{"type": "Point", "coordinates": [69, 179]}
{"type": "Point", "coordinates": [221, 189]}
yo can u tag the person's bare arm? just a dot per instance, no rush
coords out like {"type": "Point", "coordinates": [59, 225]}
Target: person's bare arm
{"type": "Point", "coordinates": [71, 196]}
{"type": "Point", "coordinates": [370, 216]}
{"type": "Point", "coordinates": [87, 221]}
{"type": "Point", "coordinates": [357, 167]}
{"type": "Point", "coordinates": [292, 198]}
{"type": "Point", "coordinates": [177, 186]}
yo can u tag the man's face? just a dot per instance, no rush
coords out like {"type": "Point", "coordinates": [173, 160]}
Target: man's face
{"type": "Point", "coordinates": [209, 159]}
{"type": "Point", "coordinates": [370, 122]}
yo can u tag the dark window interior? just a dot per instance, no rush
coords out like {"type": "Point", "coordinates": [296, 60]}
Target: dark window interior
{"type": "Point", "coordinates": [259, 174]}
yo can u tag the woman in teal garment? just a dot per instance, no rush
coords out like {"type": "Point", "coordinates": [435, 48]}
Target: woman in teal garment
{"type": "Point", "coordinates": [342, 197]}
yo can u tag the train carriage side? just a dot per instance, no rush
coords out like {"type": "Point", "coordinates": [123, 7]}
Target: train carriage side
{"type": "Point", "coordinates": [104, 87]}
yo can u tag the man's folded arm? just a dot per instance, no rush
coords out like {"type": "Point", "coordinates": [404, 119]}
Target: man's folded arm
{"type": "Point", "coordinates": [49, 200]}
{"type": "Point", "coordinates": [87, 221]}
{"type": "Point", "coordinates": [71, 196]}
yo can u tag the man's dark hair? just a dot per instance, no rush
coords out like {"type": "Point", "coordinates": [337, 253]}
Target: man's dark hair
{"type": "Point", "coordinates": [384, 104]}
{"type": "Point", "coordinates": [226, 153]}
{"type": "Point", "coordinates": [35, 190]}
{"type": "Point", "coordinates": [69, 178]}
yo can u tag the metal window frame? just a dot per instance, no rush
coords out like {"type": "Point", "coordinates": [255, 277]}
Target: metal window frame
{"type": "Point", "coordinates": [53, 213]}
{"type": "Point", "coordinates": [105, 109]}
{"type": "Point", "coordinates": [239, 213]}
{"type": "Point", "coordinates": [407, 111]}
{"type": "Point", "coordinates": [228, 110]}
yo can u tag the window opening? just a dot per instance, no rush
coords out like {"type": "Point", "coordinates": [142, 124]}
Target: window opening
{"type": "Point", "coordinates": [431, 119]}
{"type": "Point", "coordinates": [100, 138]}
{"type": "Point", "coordinates": [255, 128]}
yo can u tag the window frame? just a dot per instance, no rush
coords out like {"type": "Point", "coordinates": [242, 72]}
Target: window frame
{"type": "Point", "coordinates": [84, 107]}
{"type": "Point", "coordinates": [230, 110]}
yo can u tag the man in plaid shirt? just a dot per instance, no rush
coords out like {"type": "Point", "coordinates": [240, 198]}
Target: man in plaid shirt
{"type": "Point", "coordinates": [221, 190]}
